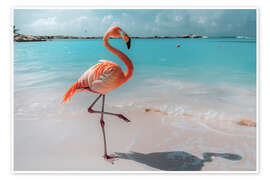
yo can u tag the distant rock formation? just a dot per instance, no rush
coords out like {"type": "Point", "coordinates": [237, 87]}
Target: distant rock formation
{"type": "Point", "coordinates": [191, 36]}
{"type": "Point", "coordinates": [74, 37]}
{"type": "Point", "coordinates": [28, 38]}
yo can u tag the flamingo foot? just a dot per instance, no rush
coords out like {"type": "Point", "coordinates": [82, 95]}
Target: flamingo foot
{"type": "Point", "coordinates": [121, 116]}
{"type": "Point", "coordinates": [110, 158]}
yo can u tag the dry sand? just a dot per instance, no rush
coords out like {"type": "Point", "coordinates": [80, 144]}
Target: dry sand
{"type": "Point", "coordinates": [152, 141]}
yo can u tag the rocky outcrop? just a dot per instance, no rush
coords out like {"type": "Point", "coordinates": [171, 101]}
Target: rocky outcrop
{"type": "Point", "coordinates": [27, 38]}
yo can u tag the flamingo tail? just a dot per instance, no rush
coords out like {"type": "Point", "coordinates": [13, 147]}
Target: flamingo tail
{"type": "Point", "coordinates": [70, 92]}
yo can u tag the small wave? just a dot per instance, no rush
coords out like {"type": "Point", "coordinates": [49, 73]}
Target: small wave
{"type": "Point", "coordinates": [242, 37]}
{"type": "Point", "coordinates": [167, 83]}
{"type": "Point", "coordinates": [224, 133]}
{"type": "Point", "coordinates": [183, 123]}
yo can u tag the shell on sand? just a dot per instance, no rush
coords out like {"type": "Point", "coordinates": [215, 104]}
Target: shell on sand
{"type": "Point", "coordinates": [246, 122]}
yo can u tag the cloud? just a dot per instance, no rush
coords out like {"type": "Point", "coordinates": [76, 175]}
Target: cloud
{"type": "Point", "coordinates": [201, 20]}
{"type": "Point", "coordinates": [107, 18]}
{"type": "Point", "coordinates": [124, 14]}
{"type": "Point", "coordinates": [50, 21]}
{"type": "Point", "coordinates": [137, 22]}
{"type": "Point", "coordinates": [178, 18]}
{"type": "Point", "coordinates": [52, 25]}
{"type": "Point", "coordinates": [81, 18]}
{"type": "Point", "coordinates": [168, 19]}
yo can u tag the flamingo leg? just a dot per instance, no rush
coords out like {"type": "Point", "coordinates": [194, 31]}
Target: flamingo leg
{"type": "Point", "coordinates": [90, 110]}
{"type": "Point", "coordinates": [110, 158]}
{"type": "Point", "coordinates": [95, 101]}
{"type": "Point", "coordinates": [121, 116]}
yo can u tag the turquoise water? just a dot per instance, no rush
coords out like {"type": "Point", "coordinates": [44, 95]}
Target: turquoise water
{"type": "Point", "coordinates": [218, 74]}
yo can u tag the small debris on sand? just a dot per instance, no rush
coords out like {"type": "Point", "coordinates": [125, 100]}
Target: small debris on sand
{"type": "Point", "coordinates": [246, 122]}
{"type": "Point", "coordinates": [155, 110]}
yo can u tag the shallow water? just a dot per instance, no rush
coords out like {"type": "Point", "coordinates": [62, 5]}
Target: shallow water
{"type": "Point", "coordinates": [211, 79]}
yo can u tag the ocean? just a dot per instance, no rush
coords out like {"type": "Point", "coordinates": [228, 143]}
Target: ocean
{"type": "Point", "coordinates": [210, 79]}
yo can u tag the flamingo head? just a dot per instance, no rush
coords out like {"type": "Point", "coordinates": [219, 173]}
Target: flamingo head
{"type": "Point", "coordinates": [117, 32]}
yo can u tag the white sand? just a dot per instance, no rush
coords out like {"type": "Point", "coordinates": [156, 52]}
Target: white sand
{"type": "Point", "coordinates": [151, 142]}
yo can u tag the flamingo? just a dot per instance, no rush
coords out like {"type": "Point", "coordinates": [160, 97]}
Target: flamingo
{"type": "Point", "coordinates": [104, 77]}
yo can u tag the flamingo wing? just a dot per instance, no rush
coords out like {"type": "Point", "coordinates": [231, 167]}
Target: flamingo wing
{"type": "Point", "coordinates": [100, 78]}
{"type": "Point", "coordinates": [105, 76]}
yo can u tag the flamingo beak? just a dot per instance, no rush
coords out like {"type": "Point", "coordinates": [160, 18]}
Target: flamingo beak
{"type": "Point", "coordinates": [126, 38]}
{"type": "Point", "coordinates": [128, 43]}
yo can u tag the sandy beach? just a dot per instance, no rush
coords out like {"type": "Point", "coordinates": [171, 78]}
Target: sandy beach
{"type": "Point", "coordinates": [152, 141]}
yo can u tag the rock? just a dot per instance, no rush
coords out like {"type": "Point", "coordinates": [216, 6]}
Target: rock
{"type": "Point", "coordinates": [246, 122]}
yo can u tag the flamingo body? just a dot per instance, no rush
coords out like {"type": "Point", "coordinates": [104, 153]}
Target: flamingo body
{"type": "Point", "coordinates": [103, 77]}
{"type": "Point", "coordinates": [100, 78]}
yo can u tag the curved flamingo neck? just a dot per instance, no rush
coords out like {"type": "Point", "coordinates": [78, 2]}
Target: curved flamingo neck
{"type": "Point", "coordinates": [121, 55]}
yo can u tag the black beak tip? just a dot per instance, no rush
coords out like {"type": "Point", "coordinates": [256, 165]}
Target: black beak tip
{"type": "Point", "coordinates": [128, 43]}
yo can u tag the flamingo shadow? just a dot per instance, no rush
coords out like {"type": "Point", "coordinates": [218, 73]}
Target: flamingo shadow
{"type": "Point", "coordinates": [175, 161]}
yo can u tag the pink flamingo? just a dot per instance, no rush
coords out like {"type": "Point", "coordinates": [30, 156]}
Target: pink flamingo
{"type": "Point", "coordinates": [104, 77]}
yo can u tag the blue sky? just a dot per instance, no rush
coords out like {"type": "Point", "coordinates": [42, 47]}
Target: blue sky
{"type": "Point", "coordinates": [209, 22]}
